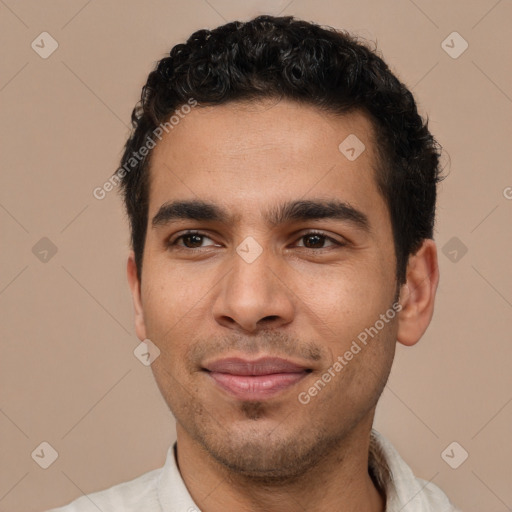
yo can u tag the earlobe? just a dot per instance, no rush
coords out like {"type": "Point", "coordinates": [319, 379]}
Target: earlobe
{"type": "Point", "coordinates": [417, 294]}
{"type": "Point", "coordinates": [134, 283]}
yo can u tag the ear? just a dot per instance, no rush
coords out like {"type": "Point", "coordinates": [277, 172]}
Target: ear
{"type": "Point", "coordinates": [133, 281]}
{"type": "Point", "coordinates": [417, 295]}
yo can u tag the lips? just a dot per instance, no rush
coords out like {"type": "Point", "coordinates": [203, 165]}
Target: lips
{"type": "Point", "coordinates": [257, 379]}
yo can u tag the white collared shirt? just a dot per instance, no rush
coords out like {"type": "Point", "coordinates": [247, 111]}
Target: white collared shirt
{"type": "Point", "coordinates": [163, 489]}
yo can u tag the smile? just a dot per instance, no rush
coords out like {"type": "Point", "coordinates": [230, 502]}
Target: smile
{"type": "Point", "coordinates": [255, 380]}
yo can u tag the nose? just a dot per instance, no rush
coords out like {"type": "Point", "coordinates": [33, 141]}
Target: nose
{"type": "Point", "coordinates": [254, 296]}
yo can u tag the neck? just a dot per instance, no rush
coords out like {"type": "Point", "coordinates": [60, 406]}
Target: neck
{"type": "Point", "coordinates": [340, 482]}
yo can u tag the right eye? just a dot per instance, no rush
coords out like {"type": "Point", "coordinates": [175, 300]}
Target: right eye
{"type": "Point", "coordinates": [190, 240]}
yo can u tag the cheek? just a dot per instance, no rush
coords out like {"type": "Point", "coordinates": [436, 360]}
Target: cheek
{"type": "Point", "coordinates": [177, 306]}
{"type": "Point", "coordinates": [168, 294]}
{"type": "Point", "coordinates": [344, 298]}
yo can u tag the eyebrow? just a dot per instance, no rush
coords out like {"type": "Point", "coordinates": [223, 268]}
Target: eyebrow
{"type": "Point", "coordinates": [280, 214]}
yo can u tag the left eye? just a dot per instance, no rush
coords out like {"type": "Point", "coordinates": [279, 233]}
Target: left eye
{"type": "Point", "coordinates": [314, 240]}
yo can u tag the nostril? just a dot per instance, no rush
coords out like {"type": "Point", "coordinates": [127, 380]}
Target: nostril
{"type": "Point", "coordinates": [268, 319]}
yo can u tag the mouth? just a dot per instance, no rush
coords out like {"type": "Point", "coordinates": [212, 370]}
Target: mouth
{"type": "Point", "coordinates": [258, 379]}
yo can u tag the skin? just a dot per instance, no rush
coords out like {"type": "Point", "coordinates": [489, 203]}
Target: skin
{"type": "Point", "coordinates": [303, 298]}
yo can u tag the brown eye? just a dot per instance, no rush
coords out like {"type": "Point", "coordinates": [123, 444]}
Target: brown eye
{"type": "Point", "coordinates": [191, 240]}
{"type": "Point", "coordinates": [314, 241]}
{"type": "Point", "coordinates": [317, 240]}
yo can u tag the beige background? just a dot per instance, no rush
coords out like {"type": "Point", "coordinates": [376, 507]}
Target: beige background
{"type": "Point", "coordinates": [67, 369]}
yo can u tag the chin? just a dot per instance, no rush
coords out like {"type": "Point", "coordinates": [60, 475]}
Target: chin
{"type": "Point", "coordinates": [268, 454]}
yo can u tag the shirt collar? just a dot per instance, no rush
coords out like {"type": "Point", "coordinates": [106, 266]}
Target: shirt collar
{"type": "Point", "coordinates": [404, 492]}
{"type": "Point", "coordinates": [172, 491]}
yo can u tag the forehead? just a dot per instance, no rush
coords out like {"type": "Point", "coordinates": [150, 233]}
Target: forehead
{"type": "Point", "coordinates": [247, 155]}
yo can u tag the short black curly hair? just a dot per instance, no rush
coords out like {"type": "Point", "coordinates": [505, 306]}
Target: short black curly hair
{"type": "Point", "coordinates": [282, 57]}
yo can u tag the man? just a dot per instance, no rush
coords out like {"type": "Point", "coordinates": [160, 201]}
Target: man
{"type": "Point", "coordinates": [281, 191]}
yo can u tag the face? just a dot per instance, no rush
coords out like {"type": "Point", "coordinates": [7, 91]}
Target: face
{"type": "Point", "coordinates": [268, 254]}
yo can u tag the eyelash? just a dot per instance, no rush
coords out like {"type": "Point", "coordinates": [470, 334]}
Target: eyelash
{"type": "Point", "coordinates": [309, 233]}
